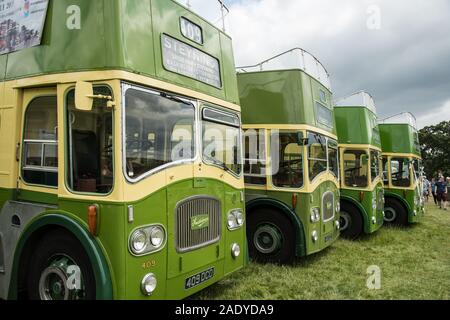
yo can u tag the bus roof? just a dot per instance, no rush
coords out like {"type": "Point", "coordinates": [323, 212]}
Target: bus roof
{"type": "Point", "coordinates": [142, 37]}
{"type": "Point", "coordinates": [358, 99]}
{"type": "Point", "coordinates": [293, 59]}
{"type": "Point", "coordinates": [286, 97]}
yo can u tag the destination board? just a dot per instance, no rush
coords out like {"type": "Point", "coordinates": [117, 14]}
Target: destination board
{"type": "Point", "coordinates": [186, 60]}
{"type": "Point", "coordinates": [21, 24]}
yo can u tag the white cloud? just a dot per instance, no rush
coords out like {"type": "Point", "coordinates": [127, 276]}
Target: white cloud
{"type": "Point", "coordinates": [438, 115]}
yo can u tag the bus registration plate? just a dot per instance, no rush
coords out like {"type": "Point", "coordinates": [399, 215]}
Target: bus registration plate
{"type": "Point", "coordinates": [199, 278]}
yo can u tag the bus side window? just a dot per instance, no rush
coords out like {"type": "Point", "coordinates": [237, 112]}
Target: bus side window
{"type": "Point", "coordinates": [255, 157]}
{"type": "Point", "coordinates": [90, 146]}
{"type": "Point", "coordinates": [385, 171]}
{"type": "Point", "coordinates": [40, 145]}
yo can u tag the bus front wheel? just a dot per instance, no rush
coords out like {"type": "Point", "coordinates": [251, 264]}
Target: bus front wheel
{"type": "Point", "coordinates": [60, 270]}
{"type": "Point", "coordinates": [351, 222]}
{"type": "Point", "coordinates": [271, 237]}
{"type": "Point", "coordinates": [395, 213]}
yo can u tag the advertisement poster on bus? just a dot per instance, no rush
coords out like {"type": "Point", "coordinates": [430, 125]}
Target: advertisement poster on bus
{"type": "Point", "coordinates": [21, 24]}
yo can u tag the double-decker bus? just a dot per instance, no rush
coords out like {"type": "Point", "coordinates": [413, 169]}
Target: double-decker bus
{"type": "Point", "coordinates": [402, 169]}
{"type": "Point", "coordinates": [120, 154]}
{"type": "Point", "coordinates": [291, 157]}
{"type": "Point", "coordinates": [362, 194]}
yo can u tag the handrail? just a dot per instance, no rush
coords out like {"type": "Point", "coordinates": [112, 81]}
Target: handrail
{"type": "Point", "coordinates": [320, 74]}
{"type": "Point", "coordinates": [401, 118]}
{"type": "Point", "coordinates": [358, 99]}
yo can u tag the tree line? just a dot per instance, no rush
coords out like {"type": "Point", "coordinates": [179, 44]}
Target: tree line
{"type": "Point", "coordinates": [435, 143]}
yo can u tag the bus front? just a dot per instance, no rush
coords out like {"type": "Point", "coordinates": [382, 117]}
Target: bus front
{"type": "Point", "coordinates": [291, 157]}
{"type": "Point", "coordinates": [402, 170]}
{"type": "Point", "coordinates": [362, 194]}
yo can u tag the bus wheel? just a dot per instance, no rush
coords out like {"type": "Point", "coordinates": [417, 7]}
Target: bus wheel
{"type": "Point", "coordinates": [351, 222]}
{"type": "Point", "coordinates": [271, 237]}
{"type": "Point", "coordinates": [394, 212]}
{"type": "Point", "coordinates": [60, 270]}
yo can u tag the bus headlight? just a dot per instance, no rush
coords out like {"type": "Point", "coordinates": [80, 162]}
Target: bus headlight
{"type": "Point", "coordinates": [235, 219]}
{"type": "Point", "coordinates": [235, 251]}
{"type": "Point", "coordinates": [374, 204]}
{"type": "Point", "coordinates": [147, 239]}
{"type": "Point", "coordinates": [148, 284]}
{"type": "Point", "coordinates": [315, 236]}
{"type": "Point", "coordinates": [157, 236]}
{"type": "Point", "coordinates": [315, 215]}
{"type": "Point", "coordinates": [138, 241]}
{"type": "Point", "coordinates": [338, 207]}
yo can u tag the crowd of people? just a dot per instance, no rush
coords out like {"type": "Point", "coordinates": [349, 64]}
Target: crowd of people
{"type": "Point", "coordinates": [439, 189]}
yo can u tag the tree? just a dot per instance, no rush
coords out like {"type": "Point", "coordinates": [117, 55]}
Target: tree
{"type": "Point", "coordinates": [435, 142]}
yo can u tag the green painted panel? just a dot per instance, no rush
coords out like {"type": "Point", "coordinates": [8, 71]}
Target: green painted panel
{"type": "Point", "coordinates": [399, 138]}
{"type": "Point", "coordinates": [357, 126]}
{"type": "Point", "coordinates": [366, 205]}
{"type": "Point", "coordinates": [283, 97]}
{"type": "Point", "coordinates": [124, 35]}
{"type": "Point", "coordinates": [326, 230]}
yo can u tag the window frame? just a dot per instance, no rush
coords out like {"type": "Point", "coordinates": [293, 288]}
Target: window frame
{"type": "Point", "coordinates": [269, 165]}
{"type": "Point", "coordinates": [202, 118]}
{"type": "Point", "coordinates": [68, 143]}
{"type": "Point", "coordinates": [344, 182]}
{"type": "Point", "coordinates": [264, 133]}
{"type": "Point", "coordinates": [125, 86]}
{"type": "Point", "coordinates": [308, 158]}
{"type": "Point", "coordinates": [25, 142]}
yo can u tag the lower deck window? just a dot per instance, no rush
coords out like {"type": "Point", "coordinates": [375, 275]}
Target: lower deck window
{"type": "Point", "coordinates": [400, 173]}
{"type": "Point", "coordinates": [90, 145]}
{"type": "Point", "coordinates": [356, 168]}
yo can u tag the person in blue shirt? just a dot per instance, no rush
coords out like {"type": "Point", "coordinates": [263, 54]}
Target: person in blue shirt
{"type": "Point", "coordinates": [441, 190]}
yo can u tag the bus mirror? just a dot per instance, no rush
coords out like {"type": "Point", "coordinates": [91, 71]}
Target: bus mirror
{"type": "Point", "coordinates": [84, 92]}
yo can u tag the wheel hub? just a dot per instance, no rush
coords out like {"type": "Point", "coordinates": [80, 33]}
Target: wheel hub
{"type": "Point", "coordinates": [59, 280]}
{"type": "Point", "coordinates": [389, 214]}
{"type": "Point", "coordinates": [267, 239]}
{"type": "Point", "coordinates": [344, 220]}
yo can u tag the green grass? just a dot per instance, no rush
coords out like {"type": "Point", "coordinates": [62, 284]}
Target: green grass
{"type": "Point", "coordinates": [414, 261]}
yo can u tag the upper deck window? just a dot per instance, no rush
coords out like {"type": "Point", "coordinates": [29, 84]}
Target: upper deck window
{"type": "Point", "coordinates": [324, 115]}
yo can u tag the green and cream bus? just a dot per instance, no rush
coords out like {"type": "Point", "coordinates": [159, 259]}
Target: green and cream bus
{"type": "Point", "coordinates": [120, 152]}
{"type": "Point", "coordinates": [362, 194]}
{"type": "Point", "coordinates": [291, 157]}
{"type": "Point", "coordinates": [402, 170]}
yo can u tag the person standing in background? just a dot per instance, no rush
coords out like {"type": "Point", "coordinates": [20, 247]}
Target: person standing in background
{"type": "Point", "coordinates": [433, 190]}
{"type": "Point", "coordinates": [441, 191]}
{"type": "Point", "coordinates": [426, 188]}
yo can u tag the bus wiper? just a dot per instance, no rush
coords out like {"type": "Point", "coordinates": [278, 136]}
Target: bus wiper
{"type": "Point", "coordinates": [319, 138]}
{"type": "Point", "coordinates": [217, 162]}
{"type": "Point", "coordinates": [175, 99]}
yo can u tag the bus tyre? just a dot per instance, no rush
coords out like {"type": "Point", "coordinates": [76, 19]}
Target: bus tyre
{"type": "Point", "coordinates": [60, 270]}
{"type": "Point", "coordinates": [351, 222]}
{"type": "Point", "coordinates": [271, 237]}
{"type": "Point", "coordinates": [395, 213]}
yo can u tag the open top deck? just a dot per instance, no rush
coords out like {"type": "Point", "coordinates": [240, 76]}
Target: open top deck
{"type": "Point", "coordinates": [161, 39]}
{"type": "Point", "coordinates": [356, 120]}
{"type": "Point", "coordinates": [285, 96]}
{"type": "Point", "coordinates": [399, 134]}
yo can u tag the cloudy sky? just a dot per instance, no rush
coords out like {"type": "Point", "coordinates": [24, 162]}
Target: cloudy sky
{"type": "Point", "coordinates": [399, 51]}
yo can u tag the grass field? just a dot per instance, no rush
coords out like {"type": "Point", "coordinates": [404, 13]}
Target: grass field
{"type": "Point", "coordinates": [414, 261]}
